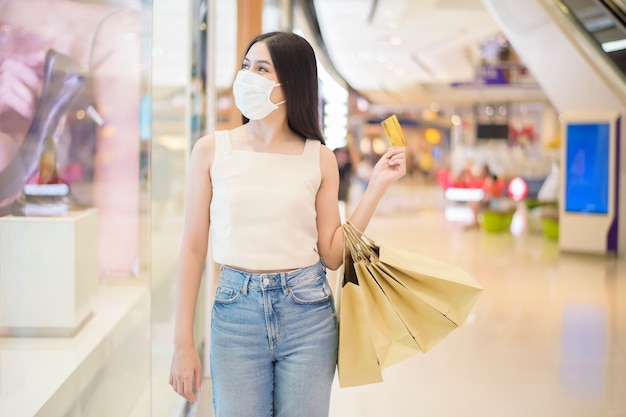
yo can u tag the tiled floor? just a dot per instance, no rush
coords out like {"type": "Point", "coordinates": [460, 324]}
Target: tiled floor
{"type": "Point", "coordinates": [547, 337]}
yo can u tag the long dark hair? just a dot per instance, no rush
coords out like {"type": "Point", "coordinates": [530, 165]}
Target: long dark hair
{"type": "Point", "coordinates": [296, 68]}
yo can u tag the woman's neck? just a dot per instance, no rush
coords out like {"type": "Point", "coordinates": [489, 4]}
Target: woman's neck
{"type": "Point", "coordinates": [265, 132]}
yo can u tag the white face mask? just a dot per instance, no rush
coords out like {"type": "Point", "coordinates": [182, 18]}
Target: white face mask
{"type": "Point", "coordinates": [252, 95]}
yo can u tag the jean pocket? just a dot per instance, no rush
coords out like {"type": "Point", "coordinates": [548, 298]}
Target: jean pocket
{"type": "Point", "coordinates": [226, 294]}
{"type": "Point", "coordinates": [311, 292]}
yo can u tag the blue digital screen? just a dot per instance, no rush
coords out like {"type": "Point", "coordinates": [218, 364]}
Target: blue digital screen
{"type": "Point", "coordinates": [587, 168]}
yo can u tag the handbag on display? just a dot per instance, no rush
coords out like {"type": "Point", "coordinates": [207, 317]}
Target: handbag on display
{"type": "Point", "coordinates": [394, 304]}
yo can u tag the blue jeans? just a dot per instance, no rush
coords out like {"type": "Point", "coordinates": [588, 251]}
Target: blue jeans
{"type": "Point", "coordinates": [273, 343]}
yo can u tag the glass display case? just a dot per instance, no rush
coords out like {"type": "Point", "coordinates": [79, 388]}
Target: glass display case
{"type": "Point", "coordinates": [75, 312]}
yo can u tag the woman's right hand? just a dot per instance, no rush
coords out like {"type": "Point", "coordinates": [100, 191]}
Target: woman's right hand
{"type": "Point", "coordinates": [186, 372]}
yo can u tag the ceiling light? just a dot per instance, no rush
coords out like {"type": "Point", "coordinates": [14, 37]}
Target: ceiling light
{"type": "Point", "coordinates": [614, 45]}
{"type": "Point", "coordinates": [428, 114]}
{"type": "Point", "coordinates": [365, 146]}
{"type": "Point", "coordinates": [395, 40]}
{"type": "Point", "coordinates": [432, 135]}
{"type": "Point", "coordinates": [379, 146]}
{"type": "Point", "coordinates": [362, 104]}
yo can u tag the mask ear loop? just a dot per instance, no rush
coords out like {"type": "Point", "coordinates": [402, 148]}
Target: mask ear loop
{"type": "Point", "coordinates": [282, 102]}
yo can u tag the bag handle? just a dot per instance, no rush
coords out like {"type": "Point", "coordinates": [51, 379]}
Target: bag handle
{"type": "Point", "coordinates": [362, 236]}
{"type": "Point", "coordinates": [361, 247]}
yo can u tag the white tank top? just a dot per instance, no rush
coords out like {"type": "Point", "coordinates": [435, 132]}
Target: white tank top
{"type": "Point", "coordinates": [263, 206]}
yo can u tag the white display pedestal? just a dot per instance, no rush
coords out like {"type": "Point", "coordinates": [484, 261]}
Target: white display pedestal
{"type": "Point", "coordinates": [104, 370]}
{"type": "Point", "coordinates": [48, 273]}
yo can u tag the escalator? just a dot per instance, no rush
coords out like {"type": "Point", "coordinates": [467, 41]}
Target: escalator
{"type": "Point", "coordinates": [574, 48]}
{"type": "Point", "coordinates": [604, 21]}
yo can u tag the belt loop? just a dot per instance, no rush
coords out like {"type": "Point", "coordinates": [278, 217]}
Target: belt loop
{"type": "Point", "coordinates": [246, 283]}
{"type": "Point", "coordinates": [283, 282]}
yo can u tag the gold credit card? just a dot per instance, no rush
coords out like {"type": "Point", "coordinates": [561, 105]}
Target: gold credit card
{"type": "Point", "coordinates": [394, 131]}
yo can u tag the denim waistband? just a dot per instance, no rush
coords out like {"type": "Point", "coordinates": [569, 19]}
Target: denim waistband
{"type": "Point", "coordinates": [268, 280]}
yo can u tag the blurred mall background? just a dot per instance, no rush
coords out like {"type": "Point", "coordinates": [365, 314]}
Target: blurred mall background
{"type": "Point", "coordinates": [474, 83]}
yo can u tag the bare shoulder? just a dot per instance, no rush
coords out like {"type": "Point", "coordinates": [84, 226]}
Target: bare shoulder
{"type": "Point", "coordinates": [327, 156]}
{"type": "Point", "coordinates": [205, 144]}
{"type": "Point", "coordinates": [328, 161]}
{"type": "Point", "coordinates": [203, 152]}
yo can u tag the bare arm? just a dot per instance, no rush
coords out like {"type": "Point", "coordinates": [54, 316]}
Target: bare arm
{"type": "Point", "coordinates": [186, 372]}
{"type": "Point", "coordinates": [390, 167]}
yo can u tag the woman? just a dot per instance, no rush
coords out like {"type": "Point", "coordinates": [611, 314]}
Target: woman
{"type": "Point", "coordinates": [269, 192]}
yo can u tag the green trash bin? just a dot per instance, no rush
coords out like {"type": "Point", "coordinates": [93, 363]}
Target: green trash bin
{"type": "Point", "coordinates": [495, 221]}
{"type": "Point", "coordinates": [550, 228]}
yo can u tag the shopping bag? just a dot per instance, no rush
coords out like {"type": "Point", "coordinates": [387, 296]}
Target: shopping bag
{"type": "Point", "coordinates": [392, 339]}
{"type": "Point", "coordinates": [429, 298]}
{"type": "Point", "coordinates": [357, 362]}
{"type": "Point", "coordinates": [446, 287]}
{"type": "Point", "coordinates": [424, 322]}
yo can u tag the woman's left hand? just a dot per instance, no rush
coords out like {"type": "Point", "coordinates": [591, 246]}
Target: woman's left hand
{"type": "Point", "coordinates": [390, 167]}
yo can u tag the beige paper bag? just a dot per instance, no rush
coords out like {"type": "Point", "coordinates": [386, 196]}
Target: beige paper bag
{"type": "Point", "coordinates": [357, 363]}
{"type": "Point", "coordinates": [392, 340]}
{"type": "Point", "coordinates": [408, 302]}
